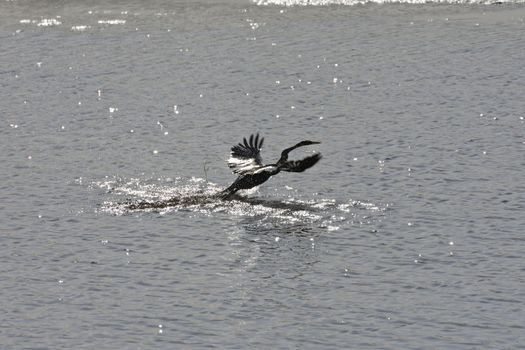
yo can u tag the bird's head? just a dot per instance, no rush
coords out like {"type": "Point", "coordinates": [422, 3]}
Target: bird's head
{"type": "Point", "coordinates": [308, 142]}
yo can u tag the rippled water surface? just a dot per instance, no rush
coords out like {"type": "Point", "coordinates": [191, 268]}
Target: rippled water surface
{"type": "Point", "coordinates": [117, 119]}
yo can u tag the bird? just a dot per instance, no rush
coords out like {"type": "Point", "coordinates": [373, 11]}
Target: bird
{"type": "Point", "coordinates": [246, 162]}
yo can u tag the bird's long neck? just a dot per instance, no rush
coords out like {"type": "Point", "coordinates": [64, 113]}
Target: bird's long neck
{"type": "Point", "coordinates": [284, 154]}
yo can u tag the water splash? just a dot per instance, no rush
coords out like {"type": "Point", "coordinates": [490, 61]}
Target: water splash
{"type": "Point", "coordinates": [196, 195]}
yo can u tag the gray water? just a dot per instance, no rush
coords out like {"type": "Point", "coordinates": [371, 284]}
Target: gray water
{"type": "Point", "coordinates": [407, 235]}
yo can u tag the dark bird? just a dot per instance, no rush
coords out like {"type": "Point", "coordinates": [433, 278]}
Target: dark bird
{"type": "Point", "coordinates": [245, 160]}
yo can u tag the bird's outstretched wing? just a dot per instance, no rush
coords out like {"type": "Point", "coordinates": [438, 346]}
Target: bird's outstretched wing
{"type": "Point", "coordinates": [298, 166]}
{"type": "Point", "coordinates": [246, 156]}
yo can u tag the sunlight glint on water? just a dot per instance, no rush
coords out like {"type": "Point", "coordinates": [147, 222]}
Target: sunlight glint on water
{"type": "Point", "coordinates": [117, 121]}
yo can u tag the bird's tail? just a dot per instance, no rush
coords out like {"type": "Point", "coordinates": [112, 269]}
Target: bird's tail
{"type": "Point", "coordinates": [226, 193]}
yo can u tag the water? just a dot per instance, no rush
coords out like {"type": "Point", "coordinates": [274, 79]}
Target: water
{"type": "Point", "coordinates": [408, 234]}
